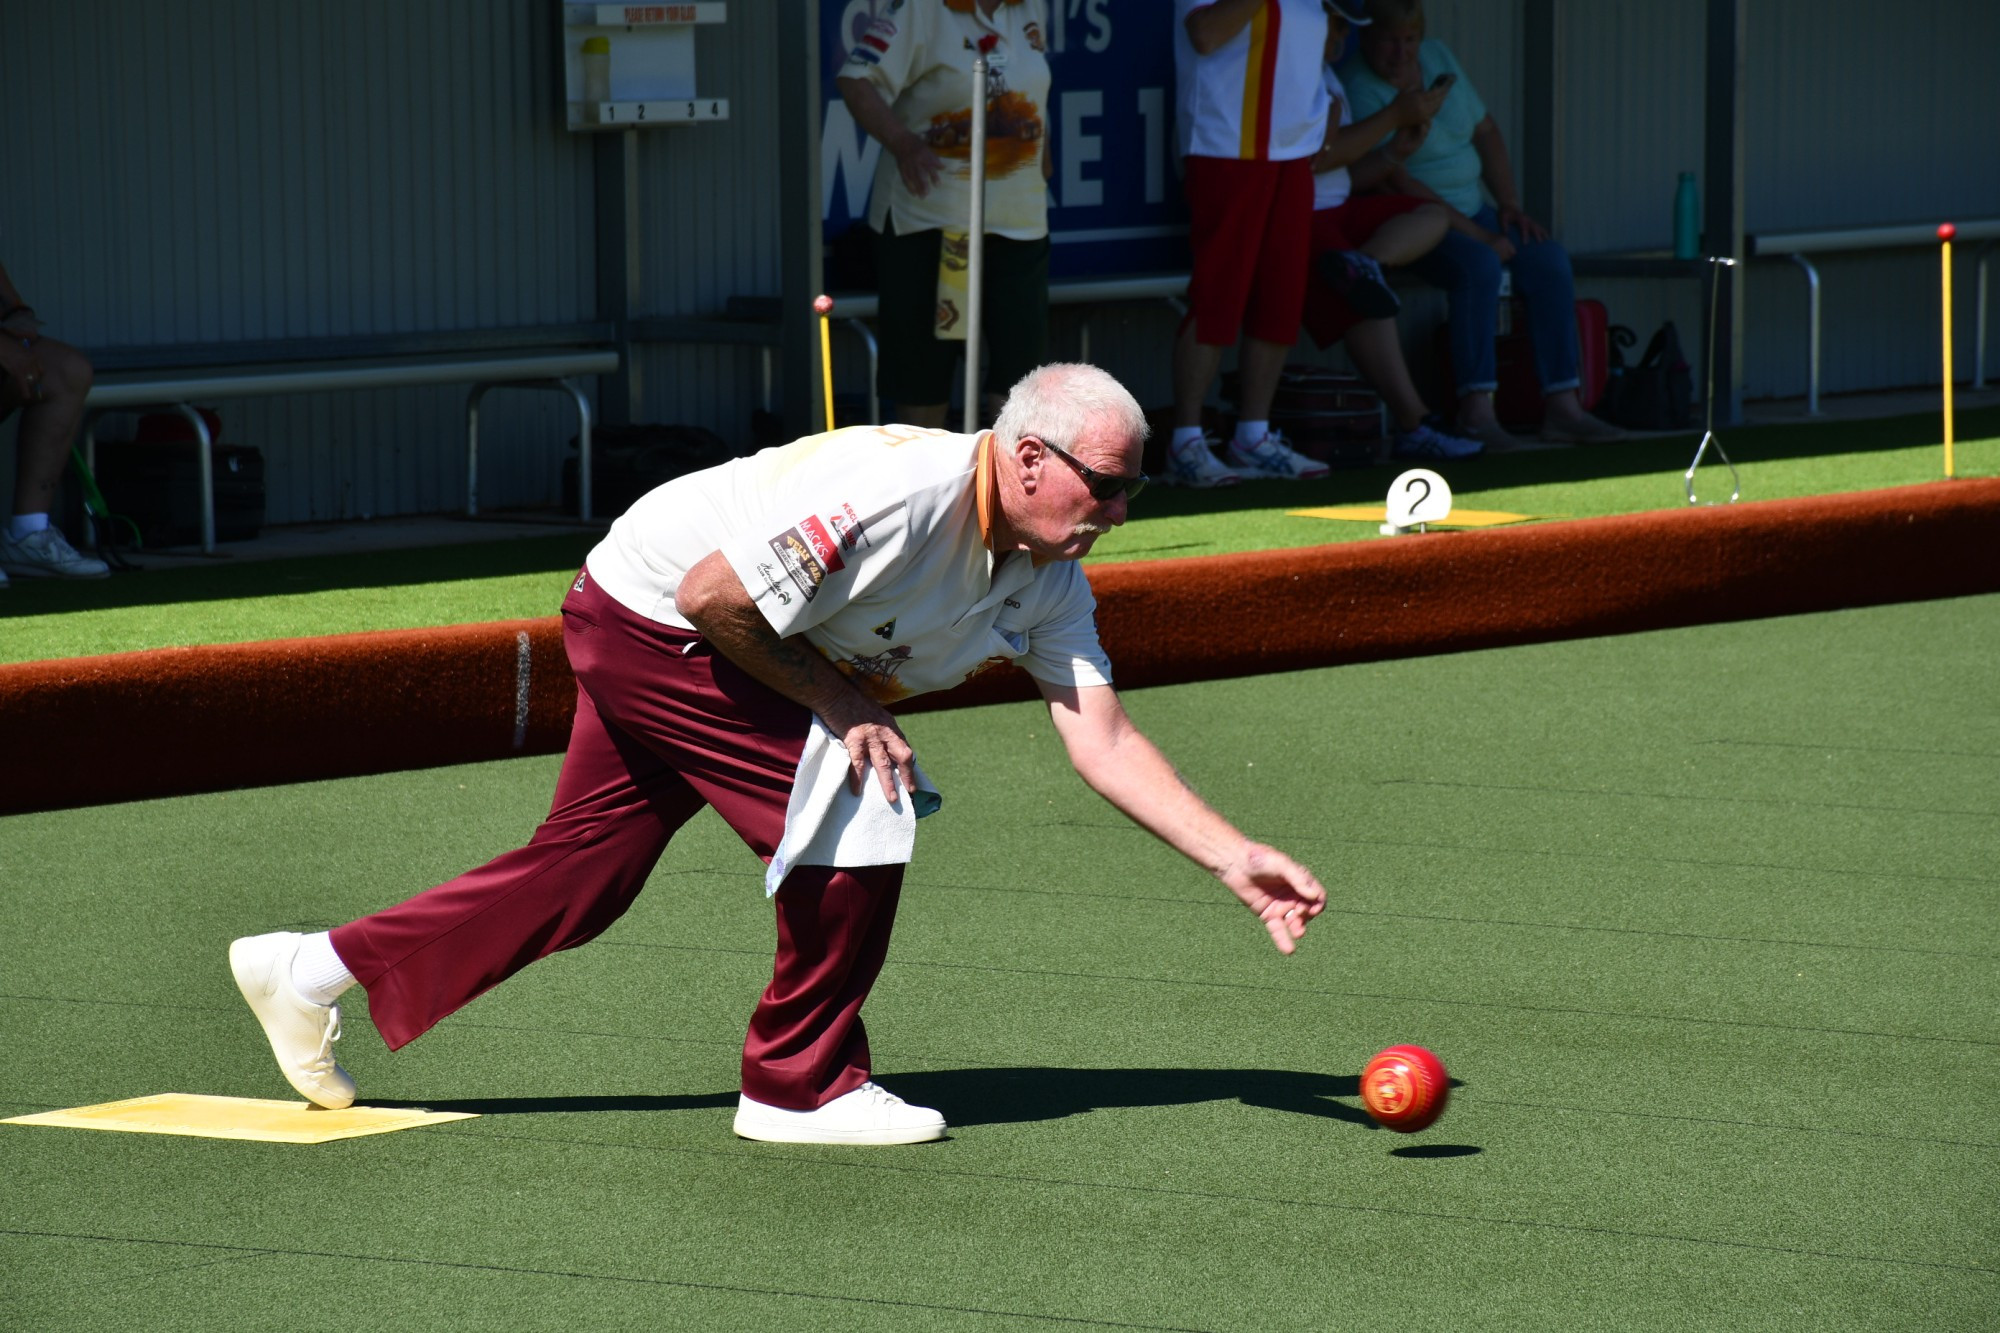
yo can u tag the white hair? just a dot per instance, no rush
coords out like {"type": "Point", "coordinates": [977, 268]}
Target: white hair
{"type": "Point", "coordinates": [1062, 401]}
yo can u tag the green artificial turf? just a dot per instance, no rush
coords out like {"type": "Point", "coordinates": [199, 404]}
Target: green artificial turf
{"type": "Point", "coordinates": [1701, 919]}
{"type": "Point", "coordinates": [220, 603]}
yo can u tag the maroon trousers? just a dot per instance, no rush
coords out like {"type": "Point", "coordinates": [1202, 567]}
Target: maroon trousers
{"type": "Point", "coordinates": [664, 725]}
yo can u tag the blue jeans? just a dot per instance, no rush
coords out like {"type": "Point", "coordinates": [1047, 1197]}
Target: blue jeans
{"type": "Point", "coordinates": [1469, 273]}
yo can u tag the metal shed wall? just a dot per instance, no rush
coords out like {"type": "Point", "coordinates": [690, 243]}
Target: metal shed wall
{"type": "Point", "coordinates": [1851, 119]}
{"type": "Point", "coordinates": [230, 170]}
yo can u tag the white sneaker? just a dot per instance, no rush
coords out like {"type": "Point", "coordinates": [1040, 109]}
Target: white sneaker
{"type": "Point", "coordinates": [1194, 465]}
{"type": "Point", "coordinates": [1272, 457]}
{"type": "Point", "coordinates": [45, 554]}
{"type": "Point", "coordinates": [301, 1033]}
{"type": "Point", "coordinates": [869, 1114]}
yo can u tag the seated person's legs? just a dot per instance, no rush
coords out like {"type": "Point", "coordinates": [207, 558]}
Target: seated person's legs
{"type": "Point", "coordinates": [1469, 273]}
{"type": "Point", "coordinates": [1392, 229]}
{"type": "Point", "coordinates": [1408, 236]}
{"type": "Point", "coordinates": [29, 546]}
{"type": "Point", "coordinates": [1543, 277]}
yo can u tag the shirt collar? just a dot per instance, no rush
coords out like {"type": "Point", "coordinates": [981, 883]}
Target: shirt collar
{"type": "Point", "coordinates": [985, 485]}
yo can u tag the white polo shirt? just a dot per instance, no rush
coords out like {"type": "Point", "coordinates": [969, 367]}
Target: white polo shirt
{"type": "Point", "coordinates": [869, 542]}
{"type": "Point", "coordinates": [1258, 96]}
{"type": "Point", "coordinates": [919, 57]}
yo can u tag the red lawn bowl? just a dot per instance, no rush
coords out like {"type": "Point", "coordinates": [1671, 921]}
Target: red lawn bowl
{"type": "Point", "coordinates": [1405, 1088]}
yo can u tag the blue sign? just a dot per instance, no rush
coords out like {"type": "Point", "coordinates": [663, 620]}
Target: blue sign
{"type": "Point", "coordinates": [1115, 204]}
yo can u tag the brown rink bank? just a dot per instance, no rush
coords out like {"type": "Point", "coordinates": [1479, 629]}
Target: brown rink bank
{"type": "Point", "coordinates": [173, 721]}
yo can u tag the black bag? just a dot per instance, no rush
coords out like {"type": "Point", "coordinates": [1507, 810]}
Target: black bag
{"type": "Point", "coordinates": [155, 481]}
{"type": "Point", "coordinates": [1655, 394]}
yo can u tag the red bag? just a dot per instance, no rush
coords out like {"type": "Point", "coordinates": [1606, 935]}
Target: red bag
{"type": "Point", "coordinates": [1518, 399]}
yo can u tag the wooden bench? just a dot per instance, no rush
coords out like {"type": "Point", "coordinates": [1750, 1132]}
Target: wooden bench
{"type": "Point", "coordinates": [185, 377]}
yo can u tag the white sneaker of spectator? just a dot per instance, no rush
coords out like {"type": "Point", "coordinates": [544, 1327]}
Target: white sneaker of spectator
{"type": "Point", "coordinates": [1272, 457]}
{"type": "Point", "coordinates": [46, 555]}
{"type": "Point", "coordinates": [1194, 464]}
{"type": "Point", "coordinates": [1426, 441]}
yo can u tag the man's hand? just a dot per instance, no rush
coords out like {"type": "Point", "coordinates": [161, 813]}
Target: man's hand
{"type": "Point", "coordinates": [873, 741]}
{"type": "Point", "coordinates": [1282, 893]}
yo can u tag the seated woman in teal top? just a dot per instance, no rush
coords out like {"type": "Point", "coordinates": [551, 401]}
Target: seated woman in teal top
{"type": "Point", "coordinates": [1460, 151]}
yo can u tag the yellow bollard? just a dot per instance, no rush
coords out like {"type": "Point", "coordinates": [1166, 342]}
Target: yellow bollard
{"type": "Point", "coordinates": [1945, 233]}
{"type": "Point", "coordinates": [823, 305]}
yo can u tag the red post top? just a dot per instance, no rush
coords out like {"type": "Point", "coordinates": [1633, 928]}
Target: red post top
{"type": "Point", "coordinates": [1946, 231]}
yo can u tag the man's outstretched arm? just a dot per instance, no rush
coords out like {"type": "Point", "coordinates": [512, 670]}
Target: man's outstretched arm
{"type": "Point", "coordinates": [1121, 765]}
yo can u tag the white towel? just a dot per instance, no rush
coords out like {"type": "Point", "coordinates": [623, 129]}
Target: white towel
{"type": "Point", "coordinates": [826, 824]}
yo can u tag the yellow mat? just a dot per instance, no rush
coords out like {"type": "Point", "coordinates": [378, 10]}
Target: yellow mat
{"type": "Point", "coordinates": [1460, 518]}
{"type": "Point", "coordinates": [238, 1118]}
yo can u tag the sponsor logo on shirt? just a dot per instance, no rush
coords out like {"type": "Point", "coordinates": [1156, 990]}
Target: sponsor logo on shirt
{"type": "Point", "coordinates": [823, 545]}
{"type": "Point", "coordinates": [808, 554]}
{"type": "Point", "coordinates": [1011, 602]}
{"type": "Point", "coordinates": [1033, 32]}
{"type": "Point", "coordinates": [847, 526]}
{"type": "Point", "coordinates": [882, 27]}
{"type": "Point", "coordinates": [879, 43]}
{"type": "Point", "coordinates": [581, 576]}
{"type": "Point", "coordinates": [885, 630]}
{"type": "Point", "coordinates": [876, 676]}
{"type": "Point", "coordinates": [864, 55]}
{"type": "Point", "coordinates": [769, 574]}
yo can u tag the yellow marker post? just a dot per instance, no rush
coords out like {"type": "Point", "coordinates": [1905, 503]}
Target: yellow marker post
{"type": "Point", "coordinates": [1945, 233]}
{"type": "Point", "coordinates": [823, 305]}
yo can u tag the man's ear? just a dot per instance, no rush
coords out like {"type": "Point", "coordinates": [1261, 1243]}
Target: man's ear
{"type": "Point", "coordinates": [1030, 454]}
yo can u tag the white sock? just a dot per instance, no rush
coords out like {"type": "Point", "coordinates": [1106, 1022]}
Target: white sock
{"type": "Point", "coordinates": [318, 975]}
{"type": "Point", "coordinates": [1251, 432]}
{"type": "Point", "coordinates": [1186, 437]}
{"type": "Point", "coordinates": [26, 525]}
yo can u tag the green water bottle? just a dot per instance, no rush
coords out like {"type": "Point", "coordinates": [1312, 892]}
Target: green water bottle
{"type": "Point", "coordinates": [1687, 218]}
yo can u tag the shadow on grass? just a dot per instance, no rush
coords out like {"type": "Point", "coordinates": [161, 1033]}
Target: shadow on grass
{"type": "Point", "coordinates": [969, 1097]}
{"type": "Point", "coordinates": [221, 580]}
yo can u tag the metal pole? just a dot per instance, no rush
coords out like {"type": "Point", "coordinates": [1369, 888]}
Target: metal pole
{"type": "Point", "coordinates": [1722, 191]}
{"type": "Point", "coordinates": [799, 259]}
{"type": "Point", "coordinates": [1979, 325]}
{"type": "Point", "coordinates": [975, 241]}
{"type": "Point", "coordinates": [1812, 336]}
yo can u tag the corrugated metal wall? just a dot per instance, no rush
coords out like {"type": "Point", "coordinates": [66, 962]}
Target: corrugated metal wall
{"type": "Point", "coordinates": [231, 170]}
{"type": "Point", "coordinates": [1853, 117]}
{"type": "Point", "coordinates": [710, 221]}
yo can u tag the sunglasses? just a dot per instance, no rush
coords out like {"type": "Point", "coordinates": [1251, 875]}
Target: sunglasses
{"type": "Point", "coordinates": [1102, 485]}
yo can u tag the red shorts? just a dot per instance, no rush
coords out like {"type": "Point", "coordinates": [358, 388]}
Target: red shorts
{"type": "Point", "coordinates": [1347, 226]}
{"type": "Point", "coordinates": [1250, 225]}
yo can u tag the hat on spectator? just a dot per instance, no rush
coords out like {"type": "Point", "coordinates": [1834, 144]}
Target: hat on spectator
{"type": "Point", "coordinates": [1354, 11]}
